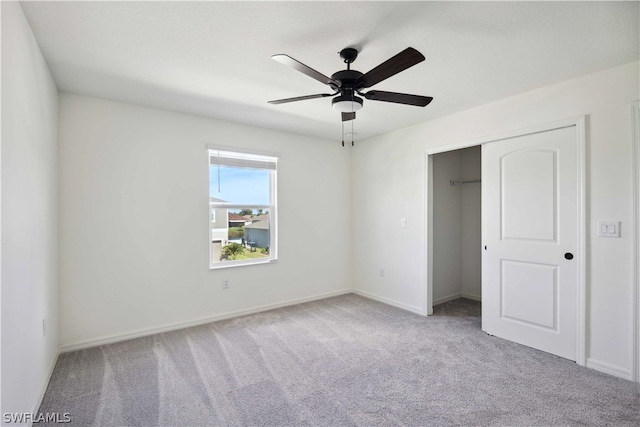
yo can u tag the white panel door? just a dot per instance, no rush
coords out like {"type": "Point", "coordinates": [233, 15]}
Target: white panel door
{"type": "Point", "coordinates": [530, 228]}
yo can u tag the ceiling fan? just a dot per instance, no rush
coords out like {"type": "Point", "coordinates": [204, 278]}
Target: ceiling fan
{"type": "Point", "coordinates": [347, 83]}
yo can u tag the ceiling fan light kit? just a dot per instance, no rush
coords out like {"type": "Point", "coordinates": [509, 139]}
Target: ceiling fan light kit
{"type": "Point", "coordinates": [347, 105]}
{"type": "Point", "coordinates": [347, 83]}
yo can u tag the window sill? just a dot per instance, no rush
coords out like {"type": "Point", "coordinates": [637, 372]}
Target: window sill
{"type": "Point", "coordinates": [241, 263]}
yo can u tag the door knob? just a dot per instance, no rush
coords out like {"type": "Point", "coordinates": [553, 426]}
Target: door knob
{"type": "Point", "coordinates": [568, 255]}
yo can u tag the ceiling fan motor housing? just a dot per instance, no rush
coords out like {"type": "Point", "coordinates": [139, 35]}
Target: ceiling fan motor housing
{"type": "Point", "coordinates": [346, 78]}
{"type": "Point", "coordinates": [346, 101]}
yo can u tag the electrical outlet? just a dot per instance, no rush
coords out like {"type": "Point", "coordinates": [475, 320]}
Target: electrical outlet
{"type": "Point", "coordinates": [44, 327]}
{"type": "Point", "coordinates": [225, 284]}
{"type": "Point", "coordinates": [382, 272]}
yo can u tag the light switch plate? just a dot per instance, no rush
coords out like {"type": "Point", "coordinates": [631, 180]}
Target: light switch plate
{"type": "Point", "coordinates": [608, 229]}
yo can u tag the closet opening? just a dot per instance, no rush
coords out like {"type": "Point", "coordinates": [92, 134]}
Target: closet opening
{"type": "Point", "coordinates": [454, 233]}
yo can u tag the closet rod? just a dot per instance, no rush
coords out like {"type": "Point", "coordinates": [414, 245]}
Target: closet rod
{"type": "Point", "coordinates": [464, 182]}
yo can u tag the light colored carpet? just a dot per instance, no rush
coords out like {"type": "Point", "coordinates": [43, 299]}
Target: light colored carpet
{"type": "Point", "coordinates": [343, 361]}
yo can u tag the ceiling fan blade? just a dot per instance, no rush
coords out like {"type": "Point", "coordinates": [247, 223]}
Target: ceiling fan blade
{"type": "Point", "coordinates": [301, 98]}
{"type": "Point", "coordinates": [348, 116]}
{"type": "Point", "coordinates": [299, 66]}
{"type": "Point", "coordinates": [392, 66]}
{"type": "Point", "coordinates": [398, 98]}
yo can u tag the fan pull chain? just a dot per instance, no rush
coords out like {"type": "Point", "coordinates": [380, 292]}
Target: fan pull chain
{"type": "Point", "coordinates": [352, 144]}
{"type": "Point", "coordinates": [352, 119]}
{"type": "Point", "coordinates": [343, 134]}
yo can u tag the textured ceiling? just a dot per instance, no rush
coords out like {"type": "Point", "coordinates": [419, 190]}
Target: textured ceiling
{"type": "Point", "coordinates": [213, 58]}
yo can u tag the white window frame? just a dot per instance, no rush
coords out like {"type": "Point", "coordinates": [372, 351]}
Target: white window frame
{"type": "Point", "coordinates": [251, 159]}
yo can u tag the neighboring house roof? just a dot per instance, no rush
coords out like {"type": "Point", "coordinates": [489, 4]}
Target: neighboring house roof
{"type": "Point", "coordinates": [237, 218]}
{"type": "Point", "coordinates": [262, 223]}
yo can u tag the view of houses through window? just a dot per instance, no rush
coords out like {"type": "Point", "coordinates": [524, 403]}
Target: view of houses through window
{"type": "Point", "coordinates": [242, 208]}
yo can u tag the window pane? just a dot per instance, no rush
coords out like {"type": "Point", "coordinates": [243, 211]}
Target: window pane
{"type": "Point", "coordinates": [239, 186]}
{"type": "Point", "coordinates": [245, 235]}
{"type": "Point", "coordinates": [241, 208]}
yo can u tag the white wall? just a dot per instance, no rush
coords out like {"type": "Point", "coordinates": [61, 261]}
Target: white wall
{"type": "Point", "coordinates": [457, 230]}
{"type": "Point", "coordinates": [400, 192]}
{"type": "Point", "coordinates": [29, 216]}
{"type": "Point", "coordinates": [134, 218]}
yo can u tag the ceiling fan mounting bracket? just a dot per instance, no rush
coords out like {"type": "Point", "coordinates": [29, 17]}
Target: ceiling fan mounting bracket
{"type": "Point", "coordinates": [348, 55]}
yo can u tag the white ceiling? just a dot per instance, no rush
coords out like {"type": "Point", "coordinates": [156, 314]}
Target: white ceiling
{"type": "Point", "coordinates": [213, 58]}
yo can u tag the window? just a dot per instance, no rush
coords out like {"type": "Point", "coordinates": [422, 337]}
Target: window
{"type": "Point", "coordinates": [242, 207]}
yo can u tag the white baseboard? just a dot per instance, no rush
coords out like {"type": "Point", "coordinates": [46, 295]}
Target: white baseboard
{"type": "Point", "coordinates": [455, 296]}
{"type": "Point", "coordinates": [411, 308]}
{"type": "Point", "coordinates": [448, 298]}
{"type": "Point", "coordinates": [472, 297]}
{"type": "Point", "coordinates": [201, 321]}
{"type": "Point", "coordinates": [610, 369]}
{"type": "Point", "coordinates": [45, 385]}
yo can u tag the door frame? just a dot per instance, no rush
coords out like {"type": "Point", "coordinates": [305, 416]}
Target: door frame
{"type": "Point", "coordinates": [635, 147]}
{"type": "Point", "coordinates": [579, 123]}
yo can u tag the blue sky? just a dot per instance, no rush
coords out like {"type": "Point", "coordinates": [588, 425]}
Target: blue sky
{"type": "Point", "coordinates": [240, 185]}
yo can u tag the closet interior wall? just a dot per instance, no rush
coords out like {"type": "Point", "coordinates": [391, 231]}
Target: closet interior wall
{"type": "Point", "coordinates": [457, 225]}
